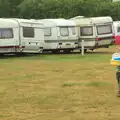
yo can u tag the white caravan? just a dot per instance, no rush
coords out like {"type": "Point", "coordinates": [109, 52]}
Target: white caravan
{"type": "Point", "coordinates": [117, 31]}
{"type": "Point", "coordinates": [97, 32]}
{"type": "Point", "coordinates": [60, 34]}
{"type": "Point", "coordinates": [20, 35]}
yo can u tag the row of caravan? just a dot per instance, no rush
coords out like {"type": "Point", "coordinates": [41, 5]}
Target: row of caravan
{"type": "Point", "coordinates": [36, 36]}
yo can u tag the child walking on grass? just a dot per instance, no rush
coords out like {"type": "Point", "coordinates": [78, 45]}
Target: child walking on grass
{"type": "Point", "coordinates": [118, 79]}
{"type": "Point", "coordinates": [118, 73]}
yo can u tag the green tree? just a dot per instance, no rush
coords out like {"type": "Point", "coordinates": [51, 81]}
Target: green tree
{"type": "Point", "coordinates": [40, 9]}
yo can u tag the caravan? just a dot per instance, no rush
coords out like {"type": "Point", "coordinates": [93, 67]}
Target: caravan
{"type": "Point", "coordinates": [117, 31]}
{"type": "Point", "coordinates": [60, 34]}
{"type": "Point", "coordinates": [97, 32]}
{"type": "Point", "coordinates": [20, 35]}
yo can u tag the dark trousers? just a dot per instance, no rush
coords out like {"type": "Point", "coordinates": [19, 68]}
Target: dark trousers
{"type": "Point", "coordinates": [118, 78]}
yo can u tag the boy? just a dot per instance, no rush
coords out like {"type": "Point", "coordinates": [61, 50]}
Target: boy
{"type": "Point", "coordinates": [118, 73]}
{"type": "Point", "coordinates": [118, 79]}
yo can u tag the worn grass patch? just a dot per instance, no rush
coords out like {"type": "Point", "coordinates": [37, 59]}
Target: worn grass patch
{"type": "Point", "coordinates": [98, 84]}
{"type": "Point", "coordinates": [59, 87]}
{"type": "Point", "coordinates": [71, 84]}
{"type": "Point", "coordinates": [89, 84]}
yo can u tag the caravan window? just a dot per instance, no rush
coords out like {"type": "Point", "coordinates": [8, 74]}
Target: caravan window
{"type": "Point", "coordinates": [6, 33]}
{"type": "Point", "coordinates": [73, 30]}
{"type": "Point", "coordinates": [47, 31]}
{"type": "Point", "coordinates": [104, 29]}
{"type": "Point", "coordinates": [28, 32]}
{"type": "Point", "coordinates": [86, 31]}
{"type": "Point", "coordinates": [118, 29]}
{"type": "Point", "coordinates": [64, 31]}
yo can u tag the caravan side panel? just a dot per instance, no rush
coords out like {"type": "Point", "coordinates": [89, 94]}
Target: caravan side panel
{"type": "Point", "coordinates": [68, 37]}
{"type": "Point", "coordinates": [50, 34]}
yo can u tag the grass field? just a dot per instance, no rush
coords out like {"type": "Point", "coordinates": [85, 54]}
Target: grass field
{"type": "Point", "coordinates": [59, 87]}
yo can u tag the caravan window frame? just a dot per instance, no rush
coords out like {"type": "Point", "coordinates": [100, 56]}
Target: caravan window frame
{"type": "Point", "coordinates": [84, 34]}
{"type": "Point", "coordinates": [50, 33]}
{"type": "Point", "coordinates": [67, 31]}
{"type": "Point", "coordinates": [73, 30]}
{"type": "Point", "coordinates": [118, 29]}
{"type": "Point", "coordinates": [6, 37]}
{"type": "Point", "coordinates": [111, 30]}
{"type": "Point", "coordinates": [28, 32]}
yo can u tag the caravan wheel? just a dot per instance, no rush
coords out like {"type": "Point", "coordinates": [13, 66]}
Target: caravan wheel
{"type": "Point", "coordinates": [1, 54]}
{"type": "Point", "coordinates": [66, 51]}
{"type": "Point", "coordinates": [20, 54]}
{"type": "Point", "coordinates": [85, 50]}
{"type": "Point", "coordinates": [55, 51]}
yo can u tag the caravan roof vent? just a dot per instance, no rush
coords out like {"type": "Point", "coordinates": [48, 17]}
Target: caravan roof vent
{"type": "Point", "coordinates": [78, 17]}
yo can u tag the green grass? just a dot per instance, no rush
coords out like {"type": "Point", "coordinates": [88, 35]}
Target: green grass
{"type": "Point", "coordinates": [62, 87]}
{"type": "Point", "coordinates": [89, 84]}
{"type": "Point", "coordinates": [100, 56]}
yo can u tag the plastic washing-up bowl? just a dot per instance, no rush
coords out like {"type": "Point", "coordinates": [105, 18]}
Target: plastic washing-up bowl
{"type": "Point", "coordinates": [115, 59]}
{"type": "Point", "coordinates": [115, 62]}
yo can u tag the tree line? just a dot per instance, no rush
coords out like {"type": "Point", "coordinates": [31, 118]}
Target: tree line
{"type": "Point", "coordinates": [40, 9]}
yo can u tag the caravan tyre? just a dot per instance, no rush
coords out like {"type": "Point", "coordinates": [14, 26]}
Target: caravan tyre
{"type": "Point", "coordinates": [85, 50]}
{"type": "Point", "coordinates": [66, 51]}
{"type": "Point", "coordinates": [55, 51]}
{"type": "Point", "coordinates": [1, 54]}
